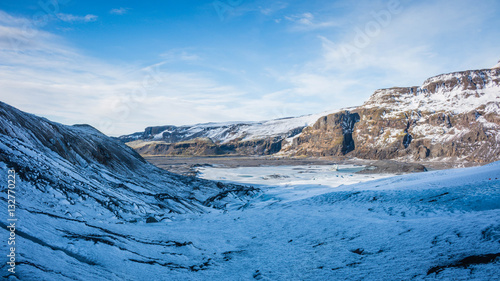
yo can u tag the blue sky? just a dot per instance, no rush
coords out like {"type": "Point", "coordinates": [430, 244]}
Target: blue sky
{"type": "Point", "coordinates": [124, 65]}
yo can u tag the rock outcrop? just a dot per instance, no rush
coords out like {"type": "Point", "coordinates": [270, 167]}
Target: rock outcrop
{"type": "Point", "coordinates": [330, 135]}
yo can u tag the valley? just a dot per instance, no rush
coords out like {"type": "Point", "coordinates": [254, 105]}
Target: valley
{"type": "Point", "coordinates": [364, 193]}
{"type": "Point", "coordinates": [230, 140]}
{"type": "Point", "coordinates": [188, 166]}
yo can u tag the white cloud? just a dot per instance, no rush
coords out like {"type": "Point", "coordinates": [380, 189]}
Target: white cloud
{"type": "Point", "coordinates": [401, 52]}
{"type": "Point", "coordinates": [73, 18]}
{"type": "Point", "coordinates": [39, 73]}
{"type": "Point", "coordinates": [180, 55]}
{"type": "Point", "coordinates": [119, 11]}
{"type": "Point", "coordinates": [8, 20]}
{"type": "Point", "coordinates": [270, 7]}
{"type": "Point", "coordinates": [405, 51]}
{"type": "Point", "coordinates": [306, 21]}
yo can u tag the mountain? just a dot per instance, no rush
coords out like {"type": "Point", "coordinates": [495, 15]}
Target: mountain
{"type": "Point", "coordinates": [75, 162]}
{"type": "Point", "coordinates": [452, 116]}
{"type": "Point", "coordinates": [87, 207]}
{"type": "Point", "coordinates": [242, 138]}
{"type": "Point", "coordinates": [74, 183]}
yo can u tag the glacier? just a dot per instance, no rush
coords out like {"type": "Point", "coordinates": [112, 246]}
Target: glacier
{"type": "Point", "coordinates": [90, 208]}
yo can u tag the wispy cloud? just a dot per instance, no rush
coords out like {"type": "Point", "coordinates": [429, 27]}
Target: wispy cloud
{"type": "Point", "coordinates": [307, 21]}
{"type": "Point", "coordinates": [74, 18]}
{"type": "Point", "coordinates": [40, 73]}
{"type": "Point", "coordinates": [234, 9]}
{"type": "Point", "coordinates": [180, 55]}
{"type": "Point", "coordinates": [410, 50]}
{"type": "Point", "coordinates": [401, 52]}
{"type": "Point", "coordinates": [9, 20]}
{"type": "Point", "coordinates": [119, 11]}
{"type": "Point", "coordinates": [271, 7]}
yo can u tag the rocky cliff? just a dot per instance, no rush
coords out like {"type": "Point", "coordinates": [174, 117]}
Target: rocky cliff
{"type": "Point", "coordinates": [452, 116]}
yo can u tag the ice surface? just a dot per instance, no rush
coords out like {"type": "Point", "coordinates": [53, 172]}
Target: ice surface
{"type": "Point", "coordinates": [291, 182]}
{"type": "Point", "coordinates": [305, 225]}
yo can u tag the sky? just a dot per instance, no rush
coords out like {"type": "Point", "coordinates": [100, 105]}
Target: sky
{"type": "Point", "coordinates": [121, 66]}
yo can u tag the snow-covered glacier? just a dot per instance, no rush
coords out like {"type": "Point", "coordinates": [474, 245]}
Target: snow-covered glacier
{"type": "Point", "coordinates": [90, 208]}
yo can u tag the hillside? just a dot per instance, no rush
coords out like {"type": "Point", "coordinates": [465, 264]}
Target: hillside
{"type": "Point", "coordinates": [73, 185]}
{"type": "Point", "coordinates": [229, 138]}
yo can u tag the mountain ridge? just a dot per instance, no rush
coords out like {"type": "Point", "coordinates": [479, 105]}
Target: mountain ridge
{"type": "Point", "coordinates": [74, 194]}
{"type": "Point", "coordinates": [451, 116]}
{"type": "Point", "coordinates": [216, 138]}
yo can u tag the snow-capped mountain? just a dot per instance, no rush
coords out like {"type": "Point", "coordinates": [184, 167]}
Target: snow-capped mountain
{"type": "Point", "coordinates": [453, 116]}
{"type": "Point", "coordinates": [246, 138]}
{"type": "Point", "coordinates": [79, 166]}
{"type": "Point", "coordinates": [81, 214]}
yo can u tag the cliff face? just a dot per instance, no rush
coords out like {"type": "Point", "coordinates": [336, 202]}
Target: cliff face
{"type": "Point", "coordinates": [206, 147]}
{"type": "Point", "coordinates": [330, 135]}
{"type": "Point", "coordinates": [452, 116]}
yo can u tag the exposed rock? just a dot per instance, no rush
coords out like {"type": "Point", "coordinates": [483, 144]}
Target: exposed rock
{"type": "Point", "coordinates": [206, 147]}
{"type": "Point", "coordinates": [79, 168]}
{"type": "Point", "coordinates": [151, 219]}
{"type": "Point", "coordinates": [330, 135]}
{"type": "Point", "coordinates": [237, 138]}
{"type": "Point", "coordinates": [466, 262]}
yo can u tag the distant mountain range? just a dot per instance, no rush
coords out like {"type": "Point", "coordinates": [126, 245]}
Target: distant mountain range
{"type": "Point", "coordinates": [452, 116]}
